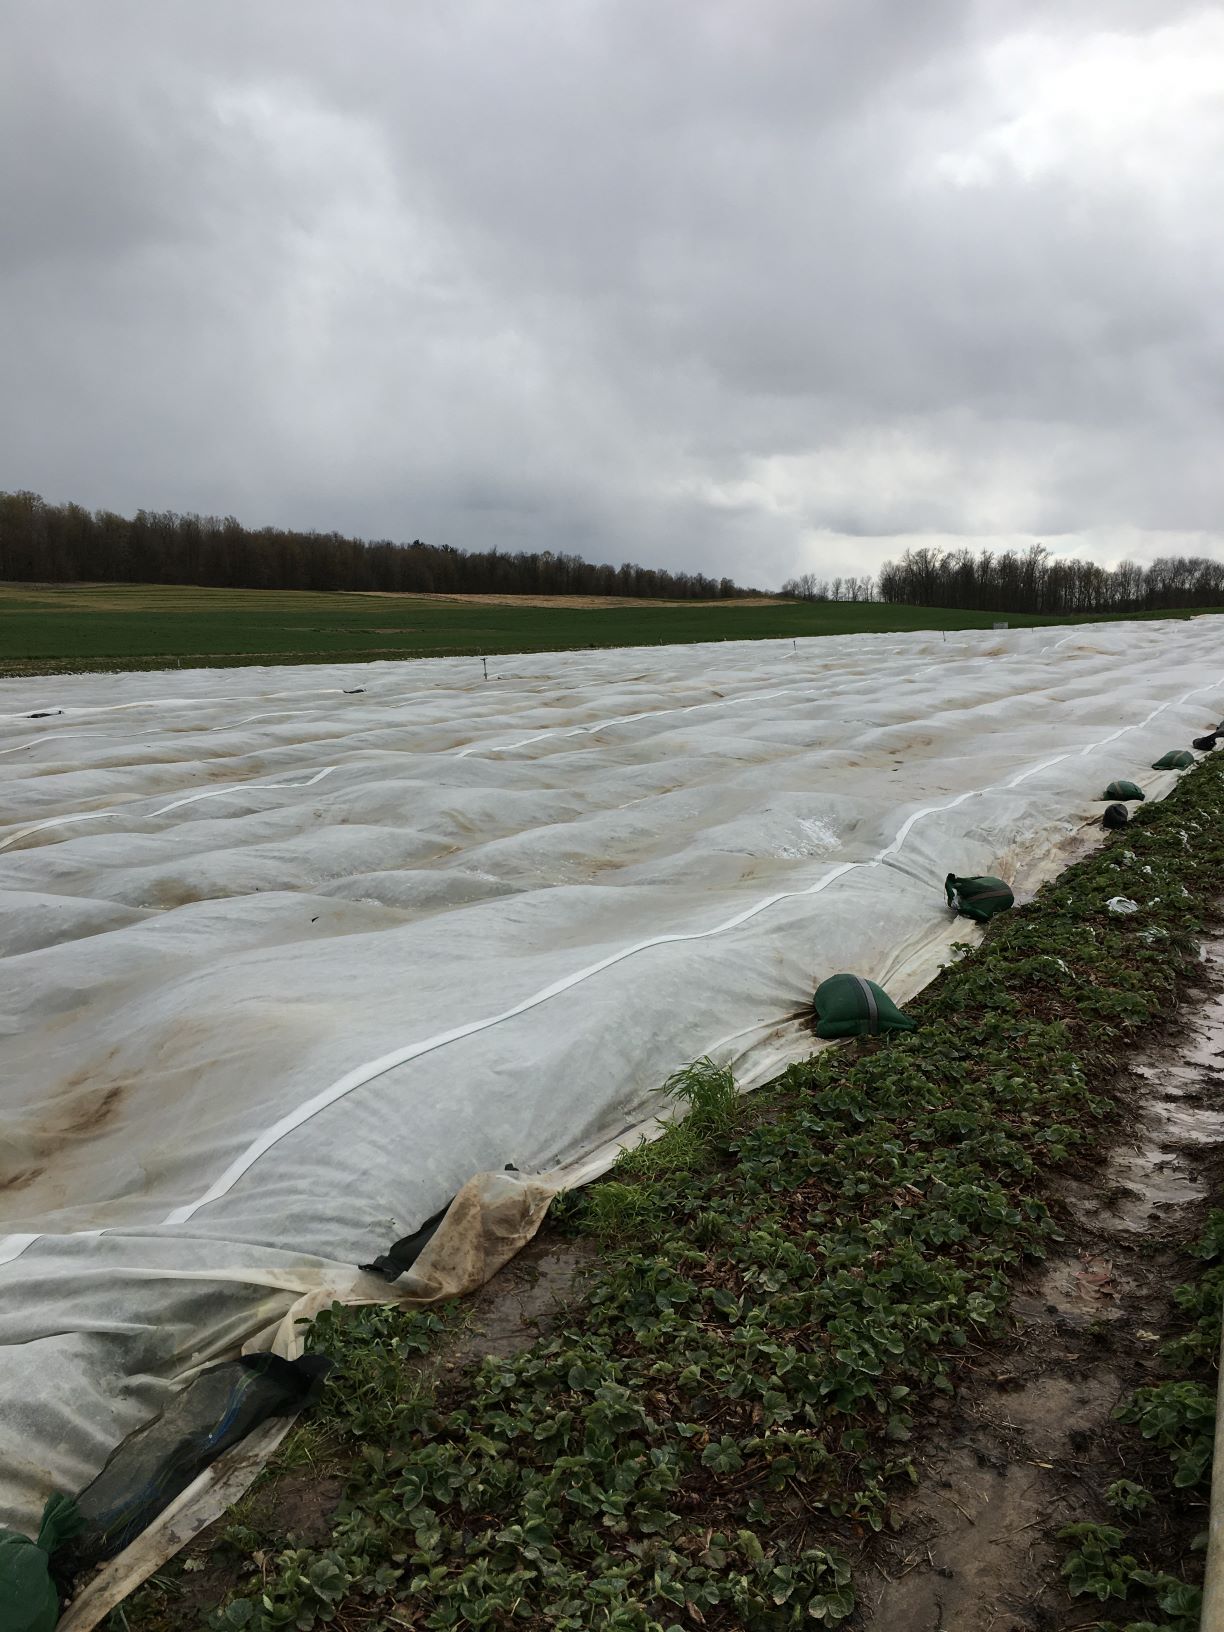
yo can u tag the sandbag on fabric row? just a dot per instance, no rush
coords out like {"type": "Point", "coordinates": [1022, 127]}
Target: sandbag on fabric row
{"type": "Point", "coordinates": [978, 898]}
{"type": "Point", "coordinates": [29, 1597]}
{"type": "Point", "coordinates": [849, 1006]}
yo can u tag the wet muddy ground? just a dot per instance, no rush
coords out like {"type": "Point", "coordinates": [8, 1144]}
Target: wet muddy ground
{"type": "Point", "coordinates": [1030, 1444]}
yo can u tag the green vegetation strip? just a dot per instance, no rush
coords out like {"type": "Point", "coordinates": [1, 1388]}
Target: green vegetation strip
{"type": "Point", "coordinates": [1117, 1562]}
{"type": "Point", "coordinates": [54, 629]}
{"type": "Point", "coordinates": [784, 1281]}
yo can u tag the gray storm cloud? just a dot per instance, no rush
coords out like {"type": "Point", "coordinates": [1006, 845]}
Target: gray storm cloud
{"type": "Point", "coordinates": [746, 288]}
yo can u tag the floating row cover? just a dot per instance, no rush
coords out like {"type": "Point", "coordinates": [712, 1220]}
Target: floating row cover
{"type": "Point", "coordinates": [1177, 759]}
{"type": "Point", "coordinates": [29, 1597]}
{"type": "Point", "coordinates": [1124, 790]}
{"type": "Point", "coordinates": [372, 927]}
{"type": "Point", "coordinates": [849, 1006]}
{"type": "Point", "coordinates": [978, 898]}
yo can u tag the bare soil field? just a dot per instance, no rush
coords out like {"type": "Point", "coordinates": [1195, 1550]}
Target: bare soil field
{"type": "Point", "coordinates": [573, 602]}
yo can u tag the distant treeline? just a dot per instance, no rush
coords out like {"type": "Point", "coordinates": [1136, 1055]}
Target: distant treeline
{"type": "Point", "coordinates": [807, 587]}
{"type": "Point", "coordinates": [1025, 581]}
{"type": "Point", "coordinates": [65, 543]}
{"type": "Point", "coordinates": [1033, 581]}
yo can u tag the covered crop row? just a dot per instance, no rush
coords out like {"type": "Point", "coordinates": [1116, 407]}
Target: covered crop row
{"type": "Point", "coordinates": [786, 1281]}
{"type": "Point", "coordinates": [286, 972]}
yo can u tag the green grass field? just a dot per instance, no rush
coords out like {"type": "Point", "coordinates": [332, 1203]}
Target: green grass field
{"type": "Point", "coordinates": [71, 628]}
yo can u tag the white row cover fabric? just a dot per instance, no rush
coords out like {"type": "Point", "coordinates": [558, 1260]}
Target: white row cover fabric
{"type": "Point", "coordinates": [286, 962]}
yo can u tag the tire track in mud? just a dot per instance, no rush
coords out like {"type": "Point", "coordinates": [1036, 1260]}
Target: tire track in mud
{"type": "Point", "coordinates": [1031, 1437]}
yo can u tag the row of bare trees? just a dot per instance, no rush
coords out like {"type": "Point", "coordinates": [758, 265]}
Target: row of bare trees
{"type": "Point", "coordinates": [807, 587]}
{"type": "Point", "coordinates": [1034, 581]}
{"type": "Point", "coordinates": [65, 543]}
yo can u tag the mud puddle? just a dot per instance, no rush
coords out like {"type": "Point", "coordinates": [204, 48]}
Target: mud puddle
{"type": "Point", "coordinates": [1030, 1442]}
{"type": "Point", "coordinates": [522, 1301]}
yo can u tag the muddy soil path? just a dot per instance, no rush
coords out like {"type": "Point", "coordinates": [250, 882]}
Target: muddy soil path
{"type": "Point", "coordinates": [1030, 1444]}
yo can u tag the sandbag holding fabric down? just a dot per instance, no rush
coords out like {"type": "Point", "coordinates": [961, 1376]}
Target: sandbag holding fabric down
{"type": "Point", "coordinates": [978, 898]}
{"type": "Point", "coordinates": [849, 1006]}
{"type": "Point", "coordinates": [1177, 759]}
{"type": "Point", "coordinates": [1115, 816]}
{"type": "Point", "coordinates": [1205, 744]}
{"type": "Point", "coordinates": [29, 1598]}
{"type": "Point", "coordinates": [1124, 790]}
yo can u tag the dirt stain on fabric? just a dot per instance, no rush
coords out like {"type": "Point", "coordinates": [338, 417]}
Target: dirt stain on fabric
{"type": "Point", "coordinates": [21, 1179]}
{"type": "Point", "coordinates": [90, 1116]}
{"type": "Point", "coordinates": [30, 1149]}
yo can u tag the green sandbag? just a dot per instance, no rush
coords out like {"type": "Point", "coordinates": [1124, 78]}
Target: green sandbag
{"type": "Point", "coordinates": [1177, 759]}
{"type": "Point", "coordinates": [849, 1006]}
{"type": "Point", "coordinates": [1124, 790]}
{"type": "Point", "coordinates": [978, 898]}
{"type": "Point", "coordinates": [29, 1600]}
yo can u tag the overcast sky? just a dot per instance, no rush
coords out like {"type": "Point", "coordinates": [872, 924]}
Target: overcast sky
{"type": "Point", "coordinates": [751, 286]}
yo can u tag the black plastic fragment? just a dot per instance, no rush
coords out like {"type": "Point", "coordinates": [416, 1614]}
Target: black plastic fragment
{"type": "Point", "coordinates": [405, 1252]}
{"type": "Point", "coordinates": [217, 1409]}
